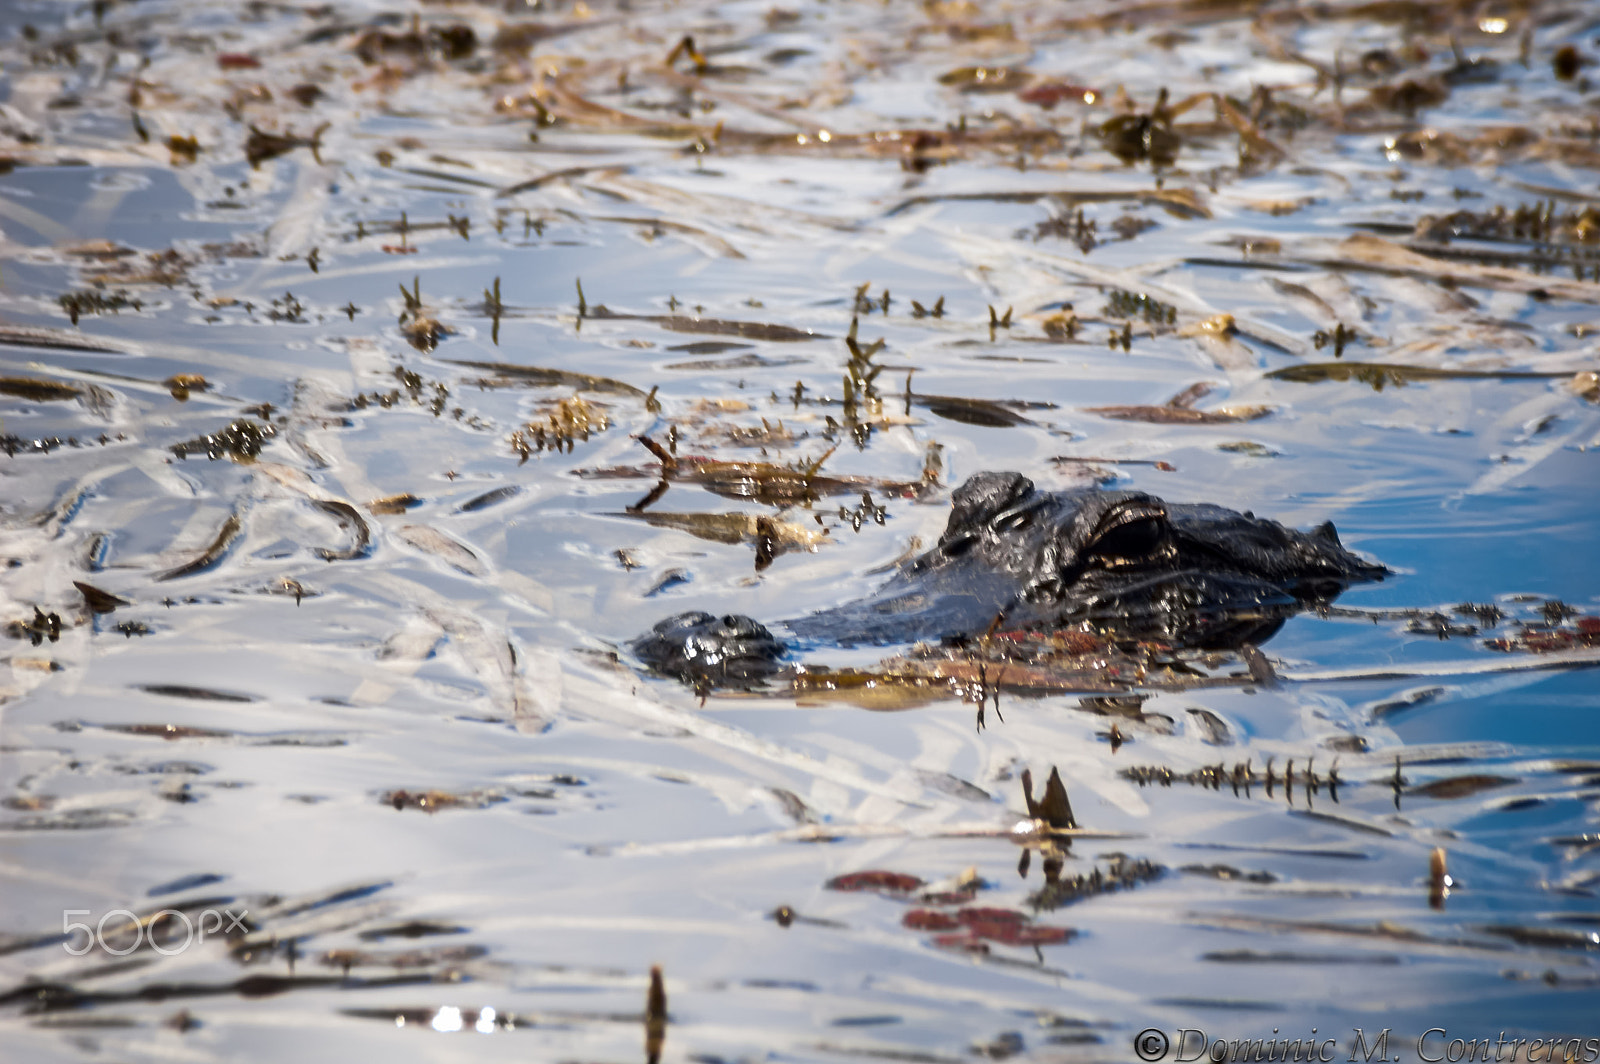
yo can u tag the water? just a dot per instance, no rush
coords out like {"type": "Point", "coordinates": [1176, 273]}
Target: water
{"type": "Point", "coordinates": [419, 771]}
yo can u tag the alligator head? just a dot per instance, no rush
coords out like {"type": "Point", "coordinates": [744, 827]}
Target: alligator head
{"type": "Point", "coordinates": [1124, 564]}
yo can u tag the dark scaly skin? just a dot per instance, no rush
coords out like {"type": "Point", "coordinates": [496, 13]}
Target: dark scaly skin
{"type": "Point", "coordinates": [1014, 558]}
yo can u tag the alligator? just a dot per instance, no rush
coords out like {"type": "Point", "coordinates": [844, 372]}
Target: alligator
{"type": "Point", "coordinates": [1124, 565]}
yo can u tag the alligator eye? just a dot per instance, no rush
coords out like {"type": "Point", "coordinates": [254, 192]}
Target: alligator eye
{"type": "Point", "coordinates": [1131, 532]}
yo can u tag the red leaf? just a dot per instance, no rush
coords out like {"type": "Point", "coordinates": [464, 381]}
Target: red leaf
{"type": "Point", "coordinates": [1022, 934]}
{"type": "Point", "coordinates": [1047, 94]}
{"type": "Point", "coordinates": [930, 920]}
{"type": "Point", "coordinates": [237, 61]}
{"type": "Point", "coordinates": [974, 917]}
{"type": "Point", "coordinates": [894, 882]}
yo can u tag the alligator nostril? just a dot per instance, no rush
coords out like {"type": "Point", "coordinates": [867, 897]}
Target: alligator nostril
{"type": "Point", "coordinates": [1012, 521]}
{"type": "Point", "coordinates": [1019, 516]}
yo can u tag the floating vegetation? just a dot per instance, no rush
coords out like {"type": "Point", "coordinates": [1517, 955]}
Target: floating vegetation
{"type": "Point", "coordinates": [1180, 410]}
{"type": "Point", "coordinates": [542, 377]}
{"type": "Point", "coordinates": [770, 536]}
{"type": "Point", "coordinates": [106, 264]}
{"type": "Point", "coordinates": [1053, 810]}
{"type": "Point", "coordinates": [565, 424]}
{"type": "Point", "coordinates": [97, 600]}
{"type": "Point", "coordinates": [1543, 223]}
{"type": "Point", "coordinates": [1339, 337]}
{"type": "Point", "coordinates": [213, 554]}
{"type": "Point", "coordinates": [39, 390]}
{"type": "Point", "coordinates": [490, 498]}
{"type": "Point", "coordinates": [262, 145]}
{"type": "Point", "coordinates": [96, 301]}
{"type": "Point", "coordinates": [1063, 326]}
{"type": "Point", "coordinates": [800, 484]}
{"type": "Point", "coordinates": [182, 384]}
{"type": "Point", "coordinates": [241, 441]}
{"type": "Point", "coordinates": [1242, 776]}
{"type": "Point", "coordinates": [1120, 874]}
{"type": "Point", "coordinates": [1549, 638]}
{"type": "Point", "coordinates": [986, 79]}
{"type": "Point", "coordinates": [40, 627]}
{"type": "Point", "coordinates": [1378, 375]}
{"type": "Point", "coordinates": [351, 521]}
{"type": "Point", "coordinates": [1143, 137]}
{"type": "Point", "coordinates": [420, 328]}
{"type": "Point", "coordinates": [1121, 304]}
{"type": "Point", "coordinates": [988, 413]}
{"type": "Point", "coordinates": [394, 504]}
{"type": "Point", "coordinates": [971, 928]}
{"type": "Point", "coordinates": [437, 801]}
{"type": "Point", "coordinates": [1073, 226]}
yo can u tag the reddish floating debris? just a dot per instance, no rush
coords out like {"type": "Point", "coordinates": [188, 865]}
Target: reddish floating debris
{"type": "Point", "coordinates": [930, 920]}
{"type": "Point", "coordinates": [1023, 934]}
{"type": "Point", "coordinates": [238, 61]}
{"type": "Point", "coordinates": [975, 917]}
{"type": "Point", "coordinates": [891, 882]}
{"type": "Point", "coordinates": [1047, 94]}
{"type": "Point", "coordinates": [1539, 639]}
{"type": "Point", "coordinates": [169, 731]}
{"type": "Point", "coordinates": [433, 801]}
{"type": "Point", "coordinates": [979, 925]}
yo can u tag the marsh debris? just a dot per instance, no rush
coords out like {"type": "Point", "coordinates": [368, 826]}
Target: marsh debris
{"type": "Point", "coordinates": [770, 536]}
{"type": "Point", "coordinates": [1339, 337]}
{"type": "Point", "coordinates": [181, 385]}
{"type": "Point", "coordinates": [972, 928]}
{"type": "Point", "coordinates": [420, 328]}
{"type": "Point", "coordinates": [241, 441]}
{"type": "Point", "coordinates": [877, 881]}
{"type": "Point", "coordinates": [213, 554]}
{"type": "Point", "coordinates": [1143, 136]}
{"type": "Point", "coordinates": [97, 301]}
{"type": "Point", "coordinates": [1052, 809]}
{"type": "Point", "coordinates": [1242, 777]}
{"type": "Point", "coordinates": [800, 484]}
{"type": "Point", "coordinates": [543, 377]}
{"type": "Point", "coordinates": [394, 504]}
{"type": "Point", "coordinates": [566, 423]}
{"type": "Point", "coordinates": [1549, 638]}
{"type": "Point", "coordinates": [1123, 304]}
{"type": "Point", "coordinates": [1180, 410]}
{"type": "Point", "coordinates": [1120, 873]}
{"type": "Point", "coordinates": [37, 629]}
{"type": "Point", "coordinates": [262, 145]}
{"type": "Point", "coordinates": [434, 801]}
{"type": "Point", "coordinates": [1380, 375]}
{"type": "Point", "coordinates": [655, 1011]}
{"type": "Point", "coordinates": [99, 601]}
